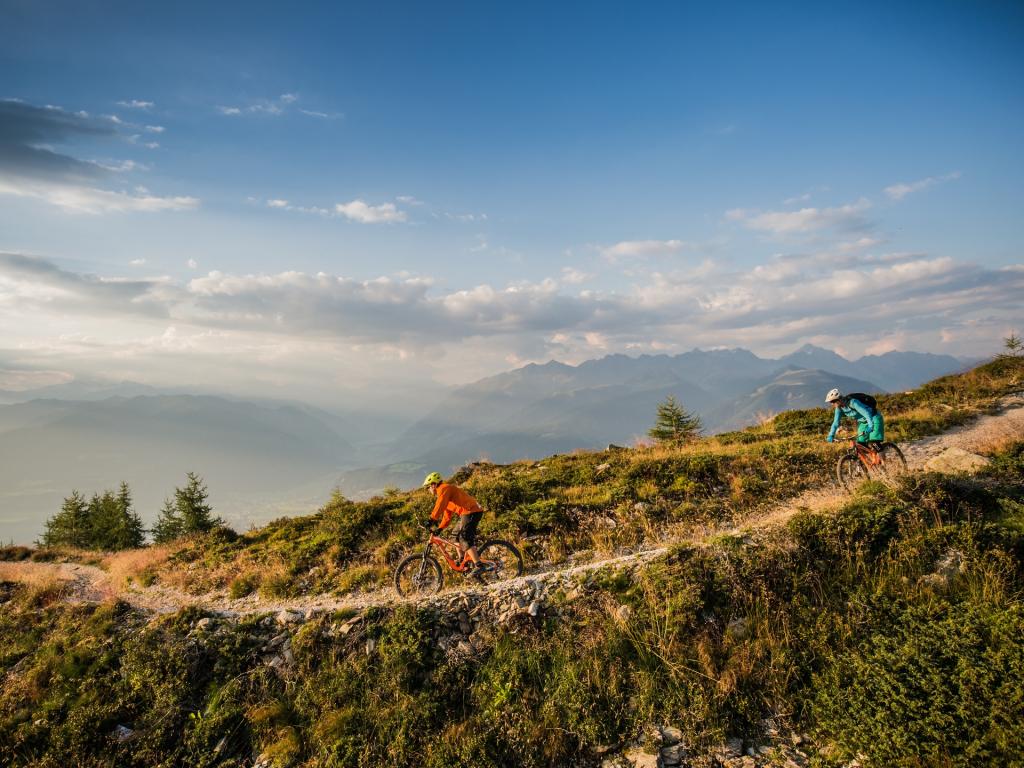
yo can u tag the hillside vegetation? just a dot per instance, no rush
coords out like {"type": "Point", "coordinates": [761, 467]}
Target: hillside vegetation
{"type": "Point", "coordinates": [891, 627]}
{"type": "Point", "coordinates": [581, 504]}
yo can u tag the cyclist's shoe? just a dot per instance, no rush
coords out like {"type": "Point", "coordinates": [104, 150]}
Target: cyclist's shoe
{"type": "Point", "coordinates": [484, 566]}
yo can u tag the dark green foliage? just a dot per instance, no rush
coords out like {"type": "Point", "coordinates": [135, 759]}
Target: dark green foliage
{"type": "Point", "coordinates": [169, 525]}
{"type": "Point", "coordinates": [106, 522]}
{"type": "Point", "coordinates": [192, 508]}
{"type": "Point", "coordinates": [189, 513]}
{"type": "Point", "coordinates": [675, 425]}
{"type": "Point", "coordinates": [948, 673]}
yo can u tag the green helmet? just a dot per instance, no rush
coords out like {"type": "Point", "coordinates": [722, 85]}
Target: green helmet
{"type": "Point", "coordinates": [432, 478]}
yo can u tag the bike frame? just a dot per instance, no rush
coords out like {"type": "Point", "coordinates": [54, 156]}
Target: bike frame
{"type": "Point", "coordinates": [869, 457]}
{"type": "Point", "coordinates": [442, 546]}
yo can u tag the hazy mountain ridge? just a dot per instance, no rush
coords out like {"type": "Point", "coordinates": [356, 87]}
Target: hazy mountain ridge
{"type": "Point", "coordinates": [540, 409]}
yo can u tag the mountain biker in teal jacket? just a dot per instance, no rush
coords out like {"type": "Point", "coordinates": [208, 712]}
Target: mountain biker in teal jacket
{"type": "Point", "coordinates": [870, 425]}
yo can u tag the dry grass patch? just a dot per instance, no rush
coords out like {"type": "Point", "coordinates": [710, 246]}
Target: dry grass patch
{"type": "Point", "coordinates": [45, 583]}
{"type": "Point", "coordinates": [136, 565]}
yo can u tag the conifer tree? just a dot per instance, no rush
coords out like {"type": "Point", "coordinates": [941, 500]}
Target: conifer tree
{"type": "Point", "coordinates": [70, 526]}
{"type": "Point", "coordinates": [106, 522]}
{"type": "Point", "coordinates": [168, 525]}
{"type": "Point", "coordinates": [130, 532]}
{"type": "Point", "coordinates": [191, 505]}
{"type": "Point", "coordinates": [1013, 345]}
{"type": "Point", "coordinates": [675, 425]}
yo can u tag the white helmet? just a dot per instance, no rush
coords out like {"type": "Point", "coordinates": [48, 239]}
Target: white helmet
{"type": "Point", "coordinates": [833, 395]}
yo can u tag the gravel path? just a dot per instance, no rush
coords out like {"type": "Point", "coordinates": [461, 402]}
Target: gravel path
{"type": "Point", "coordinates": [86, 583]}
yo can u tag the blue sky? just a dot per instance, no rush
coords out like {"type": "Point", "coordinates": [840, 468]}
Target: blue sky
{"type": "Point", "coordinates": [443, 191]}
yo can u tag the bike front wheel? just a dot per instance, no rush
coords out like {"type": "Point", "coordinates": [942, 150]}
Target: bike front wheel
{"type": "Point", "coordinates": [501, 561]}
{"type": "Point", "coordinates": [418, 576]}
{"type": "Point", "coordinates": [893, 463]}
{"type": "Point", "coordinates": [851, 471]}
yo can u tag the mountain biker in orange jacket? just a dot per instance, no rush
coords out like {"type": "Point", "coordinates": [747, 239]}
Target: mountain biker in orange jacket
{"type": "Point", "coordinates": [453, 501]}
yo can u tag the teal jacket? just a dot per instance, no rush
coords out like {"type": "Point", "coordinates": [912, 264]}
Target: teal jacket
{"type": "Point", "coordinates": [854, 409]}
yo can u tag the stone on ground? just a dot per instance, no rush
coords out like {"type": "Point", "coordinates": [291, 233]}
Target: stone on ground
{"type": "Point", "coordinates": [956, 460]}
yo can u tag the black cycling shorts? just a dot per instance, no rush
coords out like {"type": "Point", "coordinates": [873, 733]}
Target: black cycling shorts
{"type": "Point", "coordinates": [467, 528]}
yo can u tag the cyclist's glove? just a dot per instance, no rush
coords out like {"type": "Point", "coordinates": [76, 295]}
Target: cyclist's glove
{"type": "Point", "coordinates": [428, 524]}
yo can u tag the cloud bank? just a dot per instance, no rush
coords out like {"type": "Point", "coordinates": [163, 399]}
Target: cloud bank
{"type": "Point", "coordinates": [31, 167]}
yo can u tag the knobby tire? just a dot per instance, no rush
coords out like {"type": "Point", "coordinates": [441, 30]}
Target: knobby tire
{"type": "Point", "coordinates": [411, 582]}
{"type": "Point", "coordinates": [507, 558]}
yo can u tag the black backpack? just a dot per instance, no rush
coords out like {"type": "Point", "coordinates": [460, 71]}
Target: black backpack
{"type": "Point", "coordinates": [868, 400]}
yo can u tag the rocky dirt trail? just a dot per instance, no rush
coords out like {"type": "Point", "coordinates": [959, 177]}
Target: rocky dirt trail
{"type": "Point", "coordinates": [86, 583]}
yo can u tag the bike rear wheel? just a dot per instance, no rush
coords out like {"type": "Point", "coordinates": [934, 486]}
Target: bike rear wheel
{"type": "Point", "coordinates": [501, 561]}
{"type": "Point", "coordinates": [418, 576]}
{"type": "Point", "coordinates": [893, 463]}
{"type": "Point", "coordinates": [851, 471]}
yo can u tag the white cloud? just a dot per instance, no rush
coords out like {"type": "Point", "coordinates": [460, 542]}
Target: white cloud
{"type": "Point", "coordinates": [277, 204]}
{"type": "Point", "coordinates": [267, 108]}
{"type": "Point", "coordinates": [851, 297]}
{"type": "Point", "coordinates": [155, 128]}
{"type": "Point", "coordinates": [797, 199]}
{"type": "Point", "coordinates": [289, 98]}
{"type": "Point", "coordinates": [901, 190]}
{"type": "Point", "coordinates": [137, 262]}
{"type": "Point", "coordinates": [124, 166]}
{"type": "Point", "coordinates": [115, 119]}
{"type": "Point", "coordinates": [315, 113]}
{"type": "Point", "coordinates": [136, 104]}
{"type": "Point", "coordinates": [91, 200]}
{"type": "Point", "coordinates": [136, 138]}
{"type": "Point", "coordinates": [357, 210]}
{"type": "Point", "coordinates": [573, 276]}
{"type": "Point", "coordinates": [192, 264]}
{"type": "Point", "coordinates": [634, 248]}
{"type": "Point", "coordinates": [229, 110]}
{"type": "Point", "coordinates": [805, 220]}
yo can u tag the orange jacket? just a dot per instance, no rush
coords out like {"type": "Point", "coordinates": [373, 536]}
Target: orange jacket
{"type": "Point", "coordinates": [452, 500]}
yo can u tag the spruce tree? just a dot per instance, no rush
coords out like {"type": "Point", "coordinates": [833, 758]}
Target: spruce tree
{"type": "Point", "coordinates": [675, 425]}
{"type": "Point", "coordinates": [168, 525]}
{"type": "Point", "coordinates": [190, 502]}
{"type": "Point", "coordinates": [69, 527]}
{"type": "Point", "coordinates": [1013, 345]}
{"type": "Point", "coordinates": [130, 533]}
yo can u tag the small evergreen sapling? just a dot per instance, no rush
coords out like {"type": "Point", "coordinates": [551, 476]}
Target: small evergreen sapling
{"type": "Point", "coordinates": [1013, 345]}
{"type": "Point", "coordinates": [675, 425]}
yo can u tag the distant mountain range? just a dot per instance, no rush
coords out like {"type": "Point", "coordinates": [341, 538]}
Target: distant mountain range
{"type": "Point", "coordinates": [263, 459]}
{"type": "Point", "coordinates": [537, 410]}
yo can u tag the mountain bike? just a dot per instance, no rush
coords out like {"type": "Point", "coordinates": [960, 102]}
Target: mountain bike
{"type": "Point", "coordinates": [421, 575]}
{"type": "Point", "coordinates": [862, 462]}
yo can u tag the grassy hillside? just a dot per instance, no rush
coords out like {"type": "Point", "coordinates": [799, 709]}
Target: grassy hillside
{"type": "Point", "coordinates": [889, 628]}
{"type": "Point", "coordinates": [585, 503]}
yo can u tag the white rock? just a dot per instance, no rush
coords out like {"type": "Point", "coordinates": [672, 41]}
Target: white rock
{"type": "Point", "coordinates": [290, 617]}
{"type": "Point", "coordinates": [954, 460]}
{"type": "Point", "coordinates": [534, 609]}
{"type": "Point", "coordinates": [122, 732]}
